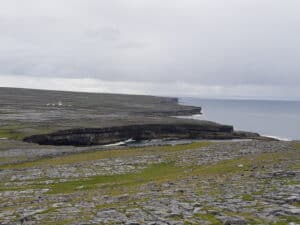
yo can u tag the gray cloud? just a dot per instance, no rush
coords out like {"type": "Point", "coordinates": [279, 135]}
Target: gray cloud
{"type": "Point", "coordinates": [206, 43]}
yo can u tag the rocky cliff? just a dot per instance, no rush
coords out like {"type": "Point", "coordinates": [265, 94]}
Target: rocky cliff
{"type": "Point", "coordinates": [102, 136]}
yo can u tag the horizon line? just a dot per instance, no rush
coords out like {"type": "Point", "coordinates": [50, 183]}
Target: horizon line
{"type": "Point", "coordinates": [233, 98]}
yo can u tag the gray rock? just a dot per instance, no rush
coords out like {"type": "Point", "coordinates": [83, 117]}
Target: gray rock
{"type": "Point", "coordinates": [235, 221]}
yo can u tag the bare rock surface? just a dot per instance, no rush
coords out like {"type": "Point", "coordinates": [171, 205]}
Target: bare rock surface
{"type": "Point", "coordinates": [247, 182]}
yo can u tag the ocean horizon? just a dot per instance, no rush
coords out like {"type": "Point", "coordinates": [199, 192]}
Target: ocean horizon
{"type": "Point", "coordinates": [274, 118]}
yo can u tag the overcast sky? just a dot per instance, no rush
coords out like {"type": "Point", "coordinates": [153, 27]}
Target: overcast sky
{"type": "Point", "coordinates": [204, 48]}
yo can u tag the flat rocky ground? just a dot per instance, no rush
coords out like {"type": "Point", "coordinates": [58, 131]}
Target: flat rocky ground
{"type": "Point", "coordinates": [25, 112]}
{"type": "Point", "coordinates": [245, 182]}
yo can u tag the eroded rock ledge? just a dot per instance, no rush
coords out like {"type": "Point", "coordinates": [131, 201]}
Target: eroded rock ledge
{"type": "Point", "coordinates": [109, 135]}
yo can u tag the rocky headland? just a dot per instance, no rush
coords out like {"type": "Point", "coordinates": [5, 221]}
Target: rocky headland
{"type": "Point", "coordinates": [110, 135]}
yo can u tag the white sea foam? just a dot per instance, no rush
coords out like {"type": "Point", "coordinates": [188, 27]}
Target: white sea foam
{"type": "Point", "coordinates": [120, 143]}
{"type": "Point", "coordinates": [194, 116]}
{"type": "Point", "coordinates": [278, 138]}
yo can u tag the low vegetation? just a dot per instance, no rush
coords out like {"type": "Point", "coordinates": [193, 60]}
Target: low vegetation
{"type": "Point", "coordinates": [104, 154]}
{"type": "Point", "coordinates": [160, 173]}
{"type": "Point", "coordinates": [192, 183]}
{"type": "Point", "coordinates": [153, 173]}
{"type": "Point", "coordinates": [11, 132]}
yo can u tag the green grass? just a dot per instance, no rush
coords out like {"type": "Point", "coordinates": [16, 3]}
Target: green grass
{"type": "Point", "coordinates": [108, 205]}
{"type": "Point", "coordinates": [17, 131]}
{"type": "Point", "coordinates": [176, 217]}
{"type": "Point", "coordinates": [181, 147]}
{"type": "Point", "coordinates": [251, 218]}
{"type": "Point", "coordinates": [11, 134]}
{"type": "Point", "coordinates": [162, 172]}
{"type": "Point", "coordinates": [285, 220]}
{"type": "Point", "coordinates": [189, 223]}
{"type": "Point", "coordinates": [104, 154]}
{"type": "Point", "coordinates": [12, 131]}
{"type": "Point", "coordinates": [62, 222]}
{"type": "Point", "coordinates": [7, 160]}
{"type": "Point", "coordinates": [292, 182]}
{"type": "Point", "coordinates": [280, 223]}
{"type": "Point", "coordinates": [296, 204]}
{"type": "Point", "coordinates": [224, 167]}
{"type": "Point", "coordinates": [232, 166]}
{"type": "Point", "coordinates": [260, 192]}
{"type": "Point", "coordinates": [156, 172]}
{"type": "Point", "coordinates": [208, 217]}
{"type": "Point", "coordinates": [111, 183]}
{"type": "Point", "coordinates": [248, 197]}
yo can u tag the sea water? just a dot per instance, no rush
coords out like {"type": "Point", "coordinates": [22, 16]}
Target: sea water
{"type": "Point", "coordinates": [279, 119]}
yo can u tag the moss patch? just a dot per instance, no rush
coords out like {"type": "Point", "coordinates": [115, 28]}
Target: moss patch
{"type": "Point", "coordinates": [11, 132]}
{"type": "Point", "coordinates": [247, 197]}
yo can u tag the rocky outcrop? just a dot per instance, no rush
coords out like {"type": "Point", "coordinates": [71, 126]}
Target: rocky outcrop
{"type": "Point", "coordinates": [102, 136]}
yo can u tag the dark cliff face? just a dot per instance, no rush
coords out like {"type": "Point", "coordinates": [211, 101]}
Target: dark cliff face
{"type": "Point", "coordinates": [102, 136]}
